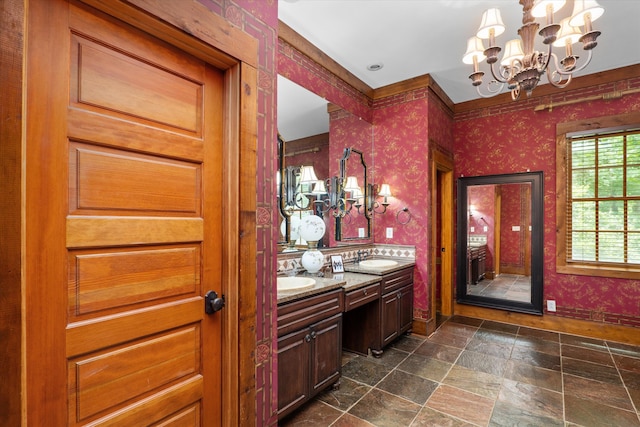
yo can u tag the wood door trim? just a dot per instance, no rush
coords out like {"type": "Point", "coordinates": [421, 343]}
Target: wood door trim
{"type": "Point", "coordinates": [441, 162]}
{"type": "Point", "coordinates": [189, 26]}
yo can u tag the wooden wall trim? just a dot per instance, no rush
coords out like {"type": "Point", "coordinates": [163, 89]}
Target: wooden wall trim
{"type": "Point", "coordinates": [11, 160]}
{"type": "Point", "coordinates": [585, 328]}
{"type": "Point", "coordinates": [545, 90]}
{"type": "Point", "coordinates": [420, 82]}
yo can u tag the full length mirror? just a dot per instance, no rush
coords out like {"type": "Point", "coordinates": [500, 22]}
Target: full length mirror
{"type": "Point", "coordinates": [313, 140]}
{"type": "Point", "coordinates": [500, 237]}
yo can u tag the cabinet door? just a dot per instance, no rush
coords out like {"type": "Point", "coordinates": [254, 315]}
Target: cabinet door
{"type": "Point", "coordinates": [326, 348]}
{"type": "Point", "coordinates": [389, 317]}
{"type": "Point", "coordinates": [293, 370]}
{"type": "Point", "coordinates": [406, 308]}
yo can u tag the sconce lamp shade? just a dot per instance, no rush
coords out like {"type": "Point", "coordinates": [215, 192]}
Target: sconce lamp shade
{"type": "Point", "coordinates": [491, 20]}
{"type": "Point", "coordinates": [582, 8]}
{"type": "Point", "coordinates": [357, 194]}
{"type": "Point", "coordinates": [351, 184]}
{"type": "Point", "coordinates": [319, 188]}
{"type": "Point", "coordinates": [312, 228]}
{"type": "Point", "coordinates": [385, 191]}
{"type": "Point", "coordinates": [307, 175]}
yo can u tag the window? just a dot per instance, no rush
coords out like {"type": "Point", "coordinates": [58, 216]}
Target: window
{"type": "Point", "coordinates": [598, 187]}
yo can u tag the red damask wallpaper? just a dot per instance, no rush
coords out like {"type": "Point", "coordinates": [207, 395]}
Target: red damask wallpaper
{"type": "Point", "coordinates": [515, 138]}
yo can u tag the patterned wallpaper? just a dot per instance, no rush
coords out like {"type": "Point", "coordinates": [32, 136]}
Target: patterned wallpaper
{"type": "Point", "coordinates": [515, 138]}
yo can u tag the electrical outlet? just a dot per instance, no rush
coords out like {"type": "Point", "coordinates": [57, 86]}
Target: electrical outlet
{"type": "Point", "coordinates": [485, 228]}
{"type": "Point", "coordinates": [360, 232]}
{"type": "Point", "coordinates": [389, 233]}
{"type": "Point", "coordinates": [551, 305]}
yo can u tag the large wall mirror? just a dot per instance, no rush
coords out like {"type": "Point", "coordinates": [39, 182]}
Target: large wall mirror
{"type": "Point", "coordinates": [500, 241]}
{"type": "Point", "coordinates": [332, 145]}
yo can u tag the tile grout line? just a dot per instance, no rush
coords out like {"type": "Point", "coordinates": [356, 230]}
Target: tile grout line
{"type": "Point", "coordinates": [624, 384]}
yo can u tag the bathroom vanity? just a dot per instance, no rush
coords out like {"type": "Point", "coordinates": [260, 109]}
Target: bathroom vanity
{"type": "Point", "coordinates": [394, 314]}
{"type": "Point", "coordinates": [361, 310]}
{"type": "Point", "coordinates": [309, 344]}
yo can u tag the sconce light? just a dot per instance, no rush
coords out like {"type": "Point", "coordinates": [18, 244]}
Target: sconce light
{"type": "Point", "coordinates": [307, 179]}
{"type": "Point", "coordinates": [384, 191]}
{"type": "Point", "coordinates": [319, 189]}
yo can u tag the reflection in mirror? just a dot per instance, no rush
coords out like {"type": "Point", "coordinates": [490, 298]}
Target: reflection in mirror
{"type": "Point", "coordinates": [303, 140]}
{"type": "Point", "coordinates": [500, 241]}
{"type": "Point", "coordinates": [313, 134]}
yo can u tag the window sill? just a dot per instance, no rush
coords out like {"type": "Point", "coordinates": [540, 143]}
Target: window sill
{"type": "Point", "coordinates": [600, 271]}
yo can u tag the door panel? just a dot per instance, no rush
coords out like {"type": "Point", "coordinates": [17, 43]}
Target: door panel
{"type": "Point", "coordinates": [140, 348]}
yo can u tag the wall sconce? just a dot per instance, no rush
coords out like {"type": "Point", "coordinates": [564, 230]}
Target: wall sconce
{"type": "Point", "coordinates": [374, 205]}
{"type": "Point", "coordinates": [472, 210]}
{"type": "Point", "coordinates": [307, 175]}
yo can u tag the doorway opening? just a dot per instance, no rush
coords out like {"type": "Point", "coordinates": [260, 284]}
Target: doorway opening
{"type": "Point", "coordinates": [442, 250]}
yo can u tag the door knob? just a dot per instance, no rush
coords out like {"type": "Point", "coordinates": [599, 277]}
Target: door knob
{"type": "Point", "coordinates": [212, 302]}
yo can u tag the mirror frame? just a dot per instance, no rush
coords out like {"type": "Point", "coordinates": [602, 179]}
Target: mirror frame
{"type": "Point", "coordinates": [281, 190]}
{"type": "Point", "coordinates": [366, 196]}
{"type": "Point", "coordinates": [536, 179]}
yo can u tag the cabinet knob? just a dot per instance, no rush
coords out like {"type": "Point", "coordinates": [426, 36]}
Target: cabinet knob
{"type": "Point", "coordinates": [307, 338]}
{"type": "Point", "coordinates": [364, 291]}
{"type": "Point", "coordinates": [399, 295]}
{"type": "Point", "coordinates": [313, 335]}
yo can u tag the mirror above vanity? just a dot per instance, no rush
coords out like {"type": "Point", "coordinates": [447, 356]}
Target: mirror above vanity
{"type": "Point", "coordinates": [324, 173]}
{"type": "Point", "coordinates": [500, 237]}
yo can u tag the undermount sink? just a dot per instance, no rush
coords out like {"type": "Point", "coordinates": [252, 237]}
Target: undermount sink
{"type": "Point", "coordinates": [378, 263]}
{"type": "Point", "coordinates": [295, 283]}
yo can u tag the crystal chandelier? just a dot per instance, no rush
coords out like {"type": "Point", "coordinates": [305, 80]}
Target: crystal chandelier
{"type": "Point", "coordinates": [521, 65]}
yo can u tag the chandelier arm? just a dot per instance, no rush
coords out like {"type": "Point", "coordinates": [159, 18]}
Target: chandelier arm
{"type": "Point", "coordinates": [500, 78]}
{"type": "Point", "coordinates": [547, 60]}
{"type": "Point", "coordinates": [580, 68]}
{"type": "Point", "coordinates": [492, 92]}
{"type": "Point", "coordinates": [515, 93]}
{"type": "Point", "coordinates": [556, 77]}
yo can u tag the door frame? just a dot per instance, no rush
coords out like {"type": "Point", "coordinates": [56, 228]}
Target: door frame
{"type": "Point", "coordinates": [441, 191]}
{"type": "Point", "coordinates": [196, 30]}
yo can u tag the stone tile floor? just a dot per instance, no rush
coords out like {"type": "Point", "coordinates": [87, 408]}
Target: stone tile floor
{"type": "Point", "coordinates": [483, 373]}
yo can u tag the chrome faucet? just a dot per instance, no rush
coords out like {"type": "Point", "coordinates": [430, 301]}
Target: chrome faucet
{"type": "Point", "coordinates": [362, 255]}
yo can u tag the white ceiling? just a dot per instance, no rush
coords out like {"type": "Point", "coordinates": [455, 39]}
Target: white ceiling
{"type": "Point", "coordinates": [416, 37]}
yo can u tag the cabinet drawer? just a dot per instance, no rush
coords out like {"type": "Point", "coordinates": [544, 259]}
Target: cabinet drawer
{"type": "Point", "coordinates": [397, 280]}
{"type": "Point", "coordinates": [301, 313]}
{"type": "Point", "coordinates": [361, 296]}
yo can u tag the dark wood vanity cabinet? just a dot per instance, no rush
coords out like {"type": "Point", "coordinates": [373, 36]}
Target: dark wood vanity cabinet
{"type": "Point", "coordinates": [362, 319]}
{"type": "Point", "coordinates": [396, 307]}
{"type": "Point", "coordinates": [309, 348]}
{"type": "Point", "coordinates": [477, 256]}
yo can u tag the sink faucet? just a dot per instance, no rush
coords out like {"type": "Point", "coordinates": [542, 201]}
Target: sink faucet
{"type": "Point", "coordinates": [362, 255]}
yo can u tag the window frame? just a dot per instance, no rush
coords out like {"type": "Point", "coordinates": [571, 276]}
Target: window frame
{"type": "Point", "coordinates": [564, 131]}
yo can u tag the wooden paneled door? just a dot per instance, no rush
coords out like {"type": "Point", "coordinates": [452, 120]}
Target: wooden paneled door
{"type": "Point", "coordinates": [126, 133]}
